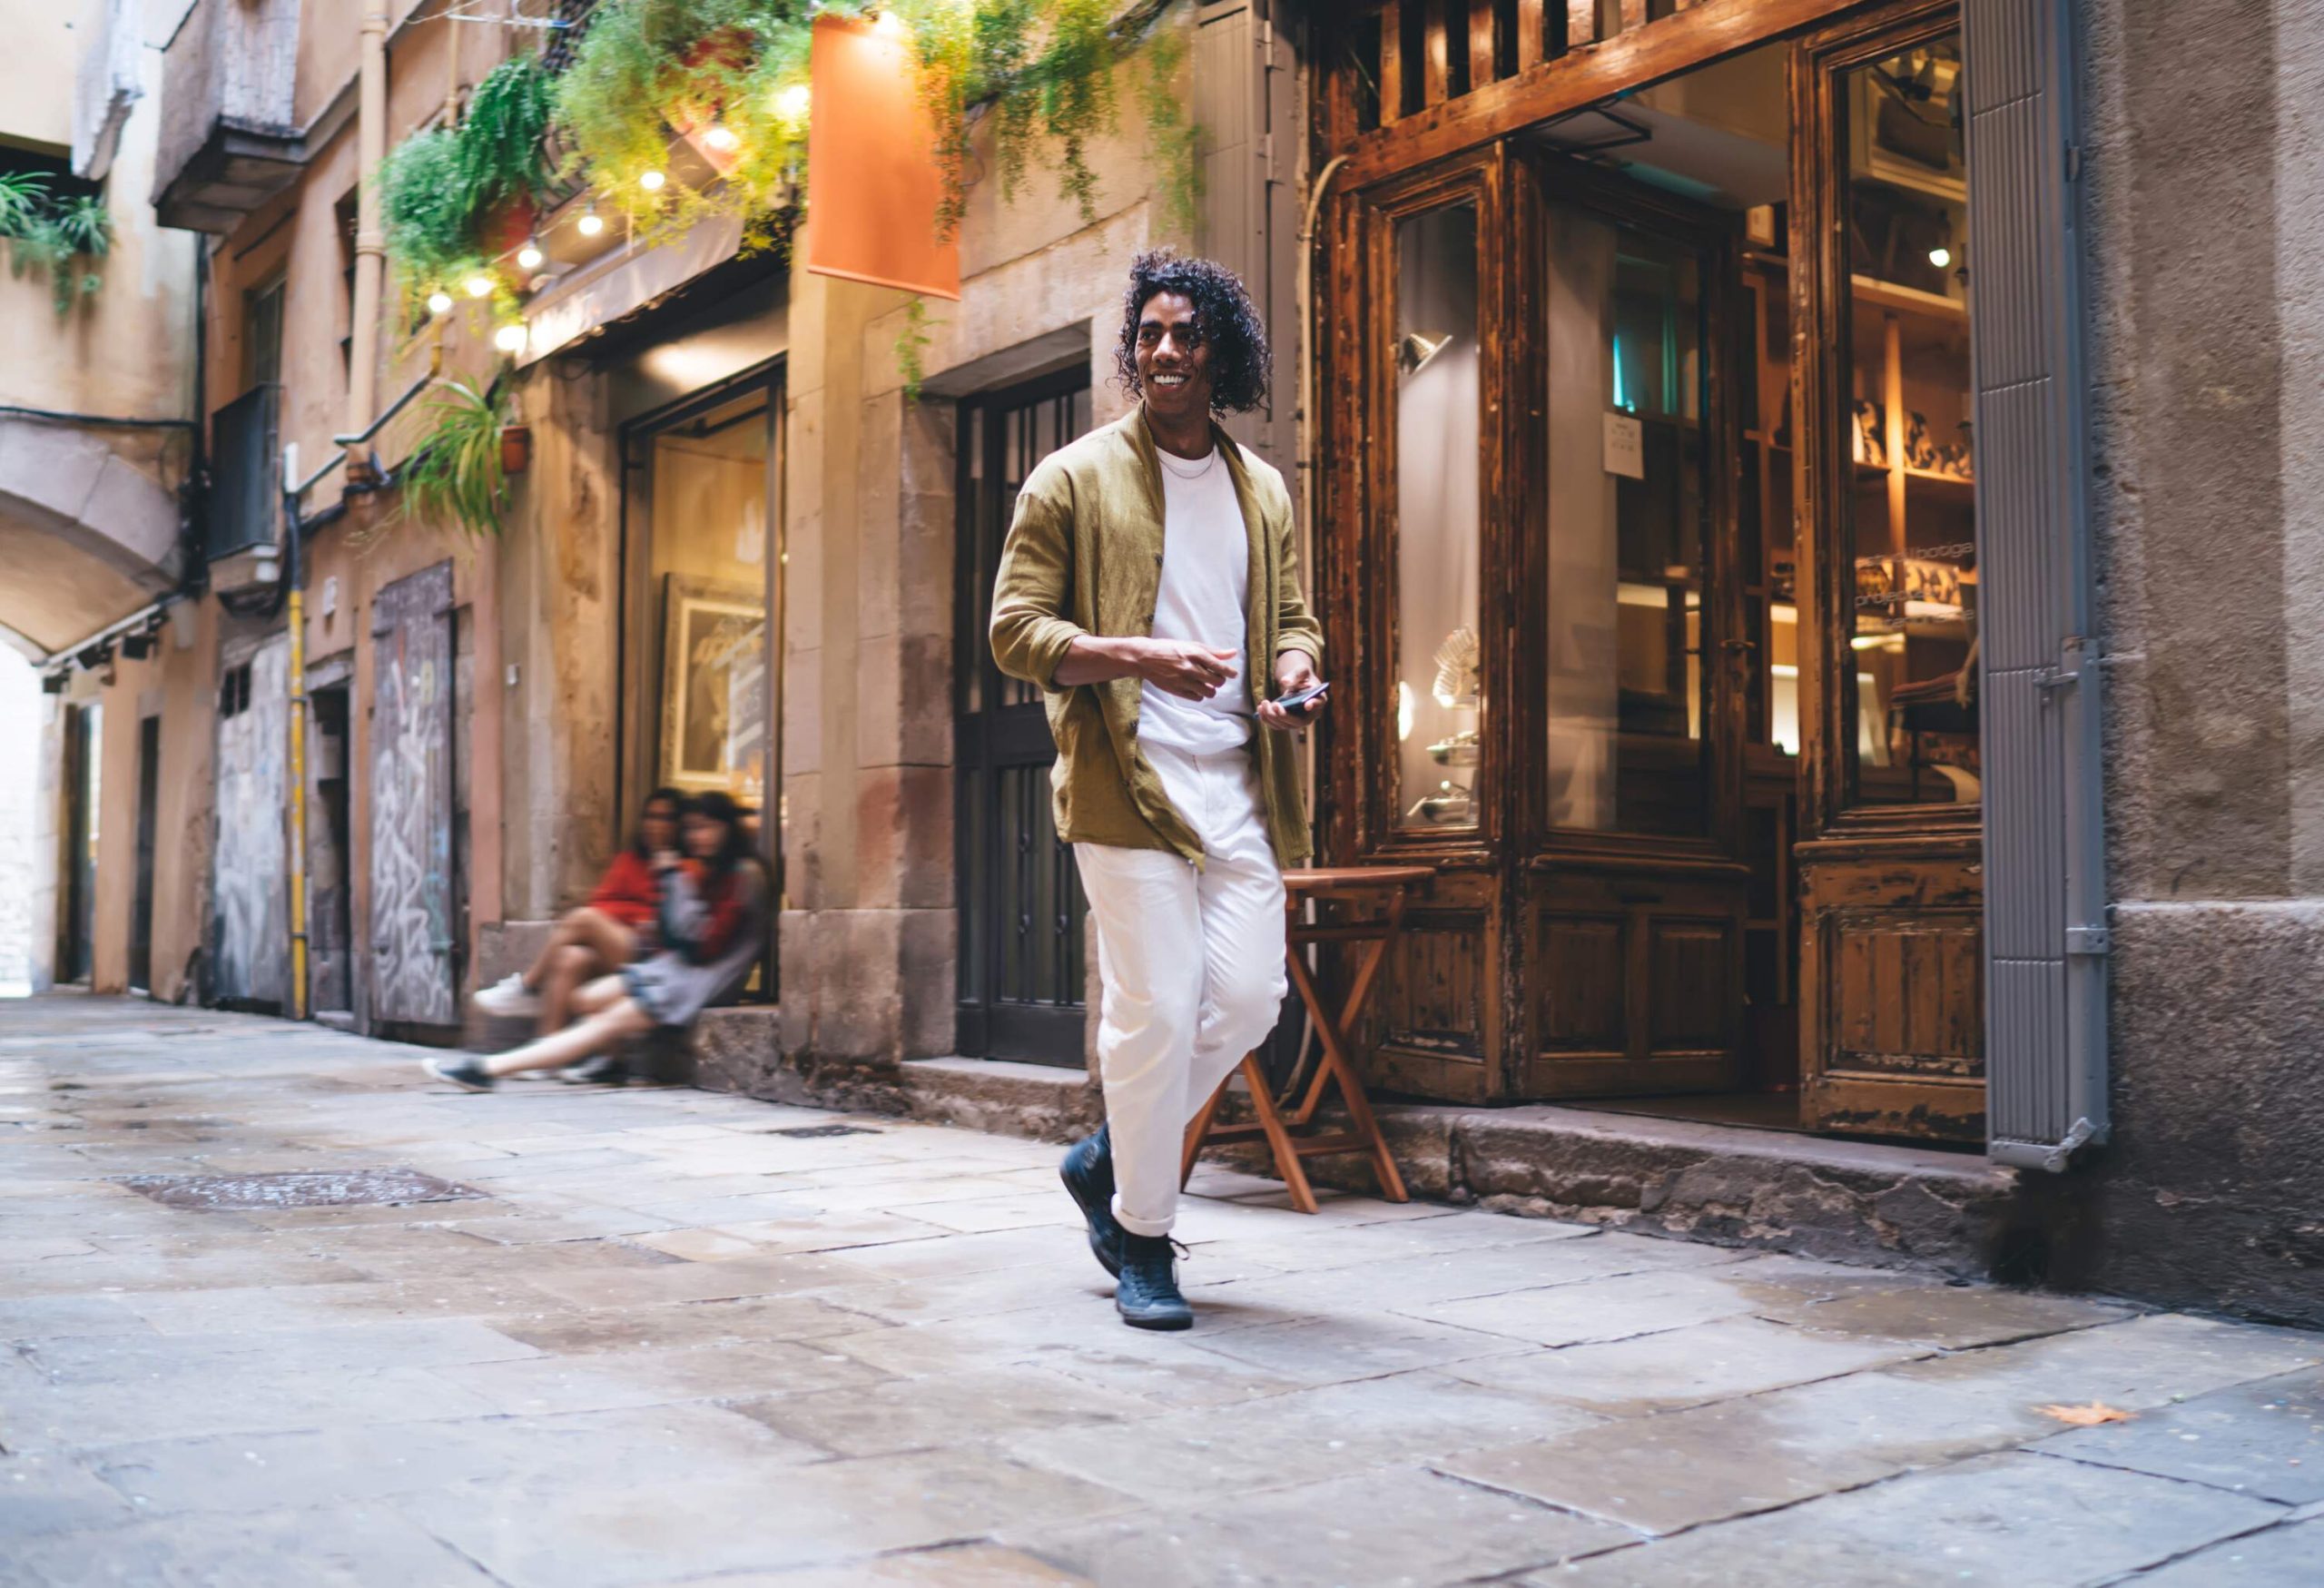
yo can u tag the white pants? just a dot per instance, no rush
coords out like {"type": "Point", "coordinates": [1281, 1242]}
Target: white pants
{"type": "Point", "coordinates": [1191, 965]}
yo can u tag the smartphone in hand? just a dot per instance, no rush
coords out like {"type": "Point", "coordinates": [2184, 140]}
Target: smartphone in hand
{"type": "Point", "coordinates": [1299, 701]}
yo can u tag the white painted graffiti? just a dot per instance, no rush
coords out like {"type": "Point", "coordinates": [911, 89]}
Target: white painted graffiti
{"type": "Point", "coordinates": [411, 846]}
{"type": "Point", "coordinates": [250, 929]}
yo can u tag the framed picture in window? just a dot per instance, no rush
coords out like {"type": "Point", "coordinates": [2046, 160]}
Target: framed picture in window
{"type": "Point", "coordinates": [714, 683]}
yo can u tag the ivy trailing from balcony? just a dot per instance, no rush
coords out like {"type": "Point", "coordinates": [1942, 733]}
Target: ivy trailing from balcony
{"type": "Point", "coordinates": [729, 78]}
{"type": "Point", "coordinates": [52, 234]}
{"type": "Point", "coordinates": [1042, 71]}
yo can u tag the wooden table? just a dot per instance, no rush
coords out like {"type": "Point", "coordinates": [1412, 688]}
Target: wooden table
{"type": "Point", "coordinates": [1290, 1133]}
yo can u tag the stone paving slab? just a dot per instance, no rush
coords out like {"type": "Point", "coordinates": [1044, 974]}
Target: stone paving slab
{"type": "Point", "coordinates": [2265, 1439]}
{"type": "Point", "coordinates": [1401, 1527]}
{"type": "Point", "coordinates": [2002, 1520]}
{"type": "Point", "coordinates": [676, 1345]}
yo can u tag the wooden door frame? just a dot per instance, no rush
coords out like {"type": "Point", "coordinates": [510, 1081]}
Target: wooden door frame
{"type": "Point", "coordinates": [1362, 776]}
{"type": "Point", "coordinates": [1481, 885]}
{"type": "Point", "coordinates": [636, 717]}
{"type": "Point", "coordinates": [1878, 870]}
{"type": "Point", "coordinates": [1821, 303]}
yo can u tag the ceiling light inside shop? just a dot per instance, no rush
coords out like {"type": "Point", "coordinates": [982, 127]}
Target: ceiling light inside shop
{"type": "Point", "coordinates": [510, 338]}
{"type": "Point", "coordinates": [479, 285]}
{"type": "Point", "coordinates": [1940, 256]}
{"type": "Point", "coordinates": [652, 181]}
{"type": "Point", "coordinates": [591, 222]}
{"type": "Point", "coordinates": [529, 256]}
{"type": "Point", "coordinates": [439, 303]}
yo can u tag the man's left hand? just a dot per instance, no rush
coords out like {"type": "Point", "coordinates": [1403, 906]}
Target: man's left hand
{"type": "Point", "coordinates": [1294, 671]}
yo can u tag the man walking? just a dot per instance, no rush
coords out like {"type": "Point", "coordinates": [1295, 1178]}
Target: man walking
{"type": "Point", "coordinates": [1150, 586]}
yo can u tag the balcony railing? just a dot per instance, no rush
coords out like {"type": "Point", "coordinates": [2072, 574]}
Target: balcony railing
{"type": "Point", "coordinates": [229, 137]}
{"type": "Point", "coordinates": [245, 507]}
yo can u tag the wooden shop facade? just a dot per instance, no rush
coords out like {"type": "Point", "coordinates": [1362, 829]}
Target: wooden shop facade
{"type": "Point", "coordinates": [1699, 531]}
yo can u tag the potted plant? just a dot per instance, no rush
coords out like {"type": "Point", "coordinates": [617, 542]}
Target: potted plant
{"type": "Point", "coordinates": [457, 472]}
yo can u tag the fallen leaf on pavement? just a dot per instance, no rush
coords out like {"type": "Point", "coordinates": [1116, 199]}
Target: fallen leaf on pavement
{"type": "Point", "coordinates": [2088, 1417]}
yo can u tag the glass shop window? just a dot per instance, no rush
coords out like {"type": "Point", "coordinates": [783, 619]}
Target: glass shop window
{"type": "Point", "coordinates": [1625, 529]}
{"type": "Point", "coordinates": [1438, 700]}
{"type": "Point", "coordinates": [1912, 512]}
{"type": "Point", "coordinates": [710, 546]}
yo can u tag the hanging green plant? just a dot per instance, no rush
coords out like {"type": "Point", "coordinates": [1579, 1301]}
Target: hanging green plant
{"type": "Point", "coordinates": [500, 153]}
{"type": "Point", "coordinates": [442, 190]}
{"type": "Point", "coordinates": [425, 209]}
{"type": "Point", "coordinates": [456, 473]}
{"type": "Point", "coordinates": [1043, 72]}
{"type": "Point", "coordinates": [49, 234]}
{"type": "Point", "coordinates": [730, 79]}
{"type": "Point", "coordinates": [728, 76]}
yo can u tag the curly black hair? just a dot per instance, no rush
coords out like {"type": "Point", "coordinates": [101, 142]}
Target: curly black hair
{"type": "Point", "coordinates": [1223, 308]}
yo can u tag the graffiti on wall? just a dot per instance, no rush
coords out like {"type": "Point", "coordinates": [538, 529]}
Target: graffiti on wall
{"type": "Point", "coordinates": [411, 800]}
{"type": "Point", "coordinates": [250, 925]}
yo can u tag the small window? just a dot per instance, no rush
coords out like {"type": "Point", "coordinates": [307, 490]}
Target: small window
{"type": "Point", "coordinates": [234, 691]}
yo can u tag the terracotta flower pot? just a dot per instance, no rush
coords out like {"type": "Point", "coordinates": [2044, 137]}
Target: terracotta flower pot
{"type": "Point", "coordinates": [728, 48]}
{"type": "Point", "coordinates": [507, 223]}
{"type": "Point", "coordinates": [515, 447]}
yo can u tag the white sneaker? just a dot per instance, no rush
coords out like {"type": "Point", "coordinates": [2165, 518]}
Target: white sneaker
{"type": "Point", "coordinates": [507, 998]}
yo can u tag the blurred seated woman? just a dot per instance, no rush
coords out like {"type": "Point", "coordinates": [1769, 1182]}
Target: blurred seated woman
{"type": "Point", "coordinates": [615, 927]}
{"type": "Point", "coordinates": [711, 926]}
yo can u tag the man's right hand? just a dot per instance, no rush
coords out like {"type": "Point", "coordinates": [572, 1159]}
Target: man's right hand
{"type": "Point", "coordinates": [1183, 668]}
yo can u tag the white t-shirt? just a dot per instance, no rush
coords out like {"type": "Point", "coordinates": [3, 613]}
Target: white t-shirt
{"type": "Point", "coordinates": [1206, 584]}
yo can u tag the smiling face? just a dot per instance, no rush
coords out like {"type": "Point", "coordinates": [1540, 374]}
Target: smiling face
{"type": "Point", "coordinates": [1173, 359]}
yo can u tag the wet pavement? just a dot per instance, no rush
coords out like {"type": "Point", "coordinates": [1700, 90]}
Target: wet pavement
{"type": "Point", "coordinates": [663, 1337]}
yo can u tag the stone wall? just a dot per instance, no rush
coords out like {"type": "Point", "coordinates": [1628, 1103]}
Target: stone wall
{"type": "Point", "coordinates": [2206, 356]}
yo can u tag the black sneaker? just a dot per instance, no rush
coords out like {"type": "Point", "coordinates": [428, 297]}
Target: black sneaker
{"type": "Point", "coordinates": [1087, 1172]}
{"type": "Point", "coordinates": [604, 1070]}
{"type": "Point", "coordinates": [1147, 1296]}
{"type": "Point", "coordinates": [464, 1070]}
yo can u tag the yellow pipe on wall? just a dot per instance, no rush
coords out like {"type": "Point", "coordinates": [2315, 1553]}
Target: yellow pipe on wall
{"type": "Point", "coordinates": [297, 782]}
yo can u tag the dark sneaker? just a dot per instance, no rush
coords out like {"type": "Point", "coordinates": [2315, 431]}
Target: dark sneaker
{"type": "Point", "coordinates": [1147, 1294]}
{"type": "Point", "coordinates": [604, 1070]}
{"type": "Point", "coordinates": [1087, 1172]}
{"type": "Point", "coordinates": [464, 1070]}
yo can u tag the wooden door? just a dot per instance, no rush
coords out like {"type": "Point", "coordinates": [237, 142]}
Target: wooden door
{"type": "Point", "coordinates": [1634, 895]}
{"type": "Point", "coordinates": [141, 904]}
{"type": "Point", "coordinates": [412, 884]}
{"type": "Point", "coordinates": [1891, 872]}
{"type": "Point", "coordinates": [83, 761]}
{"type": "Point", "coordinates": [250, 939]}
{"type": "Point", "coordinates": [1022, 915]}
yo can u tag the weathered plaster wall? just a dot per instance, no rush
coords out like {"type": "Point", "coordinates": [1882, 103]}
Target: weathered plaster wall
{"type": "Point", "coordinates": [88, 540]}
{"type": "Point", "coordinates": [2207, 305]}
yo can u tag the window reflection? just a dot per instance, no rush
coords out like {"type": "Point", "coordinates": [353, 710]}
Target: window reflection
{"type": "Point", "coordinates": [1912, 509]}
{"type": "Point", "coordinates": [1626, 506]}
{"type": "Point", "coordinates": [1439, 702]}
{"type": "Point", "coordinates": [710, 546]}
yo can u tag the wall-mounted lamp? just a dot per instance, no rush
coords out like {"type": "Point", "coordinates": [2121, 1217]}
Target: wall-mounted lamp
{"type": "Point", "coordinates": [1415, 348]}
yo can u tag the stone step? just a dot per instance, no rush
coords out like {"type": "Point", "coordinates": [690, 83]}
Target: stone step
{"type": "Point", "coordinates": [1848, 1202]}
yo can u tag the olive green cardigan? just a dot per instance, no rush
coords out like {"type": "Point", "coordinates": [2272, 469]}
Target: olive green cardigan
{"type": "Point", "coordinates": [1084, 557]}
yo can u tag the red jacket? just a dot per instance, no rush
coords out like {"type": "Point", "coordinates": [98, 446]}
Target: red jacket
{"type": "Point", "coordinates": [629, 892]}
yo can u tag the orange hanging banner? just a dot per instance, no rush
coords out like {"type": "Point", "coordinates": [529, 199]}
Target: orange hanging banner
{"type": "Point", "coordinates": [872, 182]}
